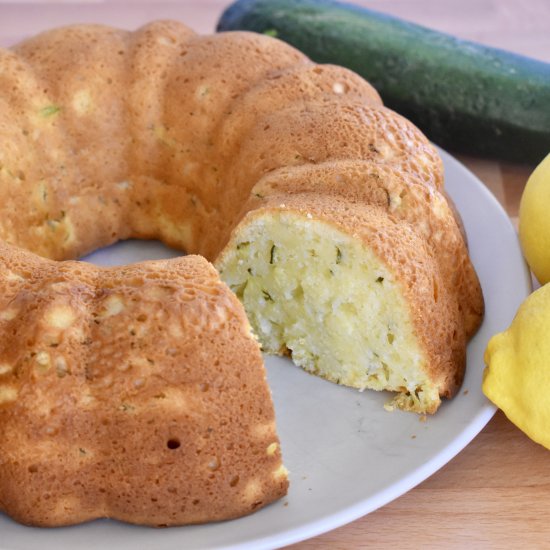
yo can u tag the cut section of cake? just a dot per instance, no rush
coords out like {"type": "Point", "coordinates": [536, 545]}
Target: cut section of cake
{"type": "Point", "coordinates": [323, 281]}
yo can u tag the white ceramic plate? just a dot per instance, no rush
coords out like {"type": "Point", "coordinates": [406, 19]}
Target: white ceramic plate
{"type": "Point", "coordinates": [347, 456]}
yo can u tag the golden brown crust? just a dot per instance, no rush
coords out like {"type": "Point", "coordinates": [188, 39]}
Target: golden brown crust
{"type": "Point", "coordinates": [137, 393]}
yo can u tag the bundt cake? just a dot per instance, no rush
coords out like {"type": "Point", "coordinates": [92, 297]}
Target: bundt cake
{"type": "Point", "coordinates": [324, 211]}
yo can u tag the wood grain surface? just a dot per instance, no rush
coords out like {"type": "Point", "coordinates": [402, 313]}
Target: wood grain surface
{"type": "Point", "coordinates": [496, 492]}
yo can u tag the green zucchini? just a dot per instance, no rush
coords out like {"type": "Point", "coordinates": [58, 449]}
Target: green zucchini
{"type": "Point", "coordinates": [464, 96]}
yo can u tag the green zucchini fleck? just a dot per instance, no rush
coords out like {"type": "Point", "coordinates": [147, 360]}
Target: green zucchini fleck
{"type": "Point", "coordinates": [267, 296]}
{"type": "Point", "coordinates": [49, 110]}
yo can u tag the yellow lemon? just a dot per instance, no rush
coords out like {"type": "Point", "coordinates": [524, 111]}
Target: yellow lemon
{"type": "Point", "coordinates": [534, 221]}
{"type": "Point", "coordinates": [517, 376]}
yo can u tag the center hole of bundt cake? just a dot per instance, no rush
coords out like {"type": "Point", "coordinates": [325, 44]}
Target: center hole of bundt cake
{"type": "Point", "coordinates": [315, 292]}
{"type": "Point", "coordinates": [131, 251]}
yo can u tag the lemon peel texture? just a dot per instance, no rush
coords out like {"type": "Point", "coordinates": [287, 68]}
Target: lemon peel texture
{"type": "Point", "coordinates": [517, 376]}
{"type": "Point", "coordinates": [534, 221]}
